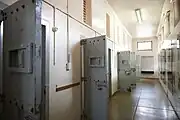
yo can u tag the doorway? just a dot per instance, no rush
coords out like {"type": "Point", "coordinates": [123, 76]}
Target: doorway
{"type": "Point", "coordinates": [110, 72]}
{"type": "Point", "coordinates": [45, 75]}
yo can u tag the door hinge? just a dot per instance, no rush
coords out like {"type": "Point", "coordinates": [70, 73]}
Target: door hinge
{"type": "Point", "coordinates": [44, 91]}
{"type": "Point", "coordinates": [84, 78]}
{"type": "Point", "coordinates": [39, 51]}
{"type": "Point", "coordinates": [83, 42]}
{"type": "Point", "coordinates": [83, 116]}
{"type": "Point", "coordinates": [2, 98]}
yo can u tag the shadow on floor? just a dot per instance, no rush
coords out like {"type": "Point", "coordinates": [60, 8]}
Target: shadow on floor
{"type": "Point", "coordinates": [146, 102]}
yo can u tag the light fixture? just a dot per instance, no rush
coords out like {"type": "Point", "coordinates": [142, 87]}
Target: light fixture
{"type": "Point", "coordinates": [172, 1]}
{"type": "Point", "coordinates": [138, 15]}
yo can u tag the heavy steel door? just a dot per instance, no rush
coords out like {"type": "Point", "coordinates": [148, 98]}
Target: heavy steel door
{"type": "Point", "coordinates": [96, 90]}
{"type": "Point", "coordinates": [22, 60]}
{"type": "Point", "coordinates": [124, 70]}
{"type": "Point", "coordinates": [133, 69]}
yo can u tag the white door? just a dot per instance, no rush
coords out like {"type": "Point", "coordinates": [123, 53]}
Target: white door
{"type": "Point", "coordinates": [147, 63]}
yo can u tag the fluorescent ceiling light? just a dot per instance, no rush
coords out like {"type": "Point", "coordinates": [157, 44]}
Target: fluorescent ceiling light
{"type": "Point", "coordinates": [138, 15]}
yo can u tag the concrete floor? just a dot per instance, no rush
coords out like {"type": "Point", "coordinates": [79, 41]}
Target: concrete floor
{"type": "Point", "coordinates": [147, 102]}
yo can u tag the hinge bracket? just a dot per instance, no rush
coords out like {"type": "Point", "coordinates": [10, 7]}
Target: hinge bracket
{"type": "Point", "coordinates": [38, 51]}
{"type": "Point", "coordinates": [83, 42]}
{"type": "Point", "coordinates": [83, 116]}
{"type": "Point", "coordinates": [2, 98]}
{"type": "Point", "coordinates": [84, 78]}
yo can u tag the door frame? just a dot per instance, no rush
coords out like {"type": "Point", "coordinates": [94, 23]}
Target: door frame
{"type": "Point", "coordinates": [45, 69]}
{"type": "Point", "coordinates": [1, 64]}
{"type": "Point", "coordinates": [118, 70]}
{"type": "Point", "coordinates": [110, 71]}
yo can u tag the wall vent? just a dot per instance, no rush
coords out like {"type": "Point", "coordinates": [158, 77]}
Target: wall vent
{"type": "Point", "coordinates": [87, 12]}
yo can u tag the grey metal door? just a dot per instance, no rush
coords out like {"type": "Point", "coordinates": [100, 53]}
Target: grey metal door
{"type": "Point", "coordinates": [22, 60]}
{"type": "Point", "coordinates": [96, 84]}
{"type": "Point", "coordinates": [124, 70]}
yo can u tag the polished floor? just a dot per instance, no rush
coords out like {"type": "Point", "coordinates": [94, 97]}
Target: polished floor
{"type": "Point", "coordinates": [146, 102]}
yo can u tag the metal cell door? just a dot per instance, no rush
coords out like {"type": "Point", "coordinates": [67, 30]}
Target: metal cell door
{"type": "Point", "coordinates": [124, 70]}
{"type": "Point", "coordinates": [22, 60]}
{"type": "Point", "coordinates": [96, 84]}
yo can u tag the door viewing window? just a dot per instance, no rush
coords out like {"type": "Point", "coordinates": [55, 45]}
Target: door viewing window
{"type": "Point", "coordinates": [144, 46]}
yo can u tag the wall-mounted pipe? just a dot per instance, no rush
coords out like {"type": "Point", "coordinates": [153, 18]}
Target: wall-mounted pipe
{"type": "Point", "coordinates": [54, 36]}
{"type": "Point", "coordinates": [54, 29]}
{"type": "Point", "coordinates": [68, 39]}
{"type": "Point", "coordinates": [68, 42]}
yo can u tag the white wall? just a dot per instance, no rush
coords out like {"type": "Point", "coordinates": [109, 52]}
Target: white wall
{"type": "Point", "coordinates": [65, 104]}
{"type": "Point", "coordinates": [153, 53]}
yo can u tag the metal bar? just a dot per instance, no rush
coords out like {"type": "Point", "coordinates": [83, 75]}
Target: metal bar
{"type": "Point", "coordinates": [81, 83]}
{"type": "Point", "coordinates": [84, 24]}
{"type": "Point", "coordinates": [54, 38]}
{"type": "Point", "coordinates": [81, 80]}
{"type": "Point", "coordinates": [68, 40]}
{"type": "Point", "coordinates": [67, 86]}
{"type": "Point", "coordinates": [48, 3]}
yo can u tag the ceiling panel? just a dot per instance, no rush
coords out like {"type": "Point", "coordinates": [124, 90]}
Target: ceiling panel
{"type": "Point", "coordinates": [150, 9]}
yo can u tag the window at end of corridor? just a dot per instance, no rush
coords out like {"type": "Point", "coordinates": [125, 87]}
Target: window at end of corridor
{"type": "Point", "coordinates": [144, 46]}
